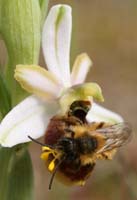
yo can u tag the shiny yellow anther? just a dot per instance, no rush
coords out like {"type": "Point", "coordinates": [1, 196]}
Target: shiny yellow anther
{"type": "Point", "coordinates": [46, 151]}
{"type": "Point", "coordinates": [51, 165]}
{"type": "Point", "coordinates": [45, 148]}
{"type": "Point", "coordinates": [45, 155]}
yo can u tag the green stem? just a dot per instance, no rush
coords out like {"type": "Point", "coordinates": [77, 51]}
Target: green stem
{"type": "Point", "coordinates": [5, 98]}
{"type": "Point", "coordinates": [44, 7]}
{"type": "Point", "coordinates": [16, 177]}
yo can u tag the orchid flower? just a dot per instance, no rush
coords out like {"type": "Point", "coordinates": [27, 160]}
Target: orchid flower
{"type": "Point", "coordinates": [53, 89]}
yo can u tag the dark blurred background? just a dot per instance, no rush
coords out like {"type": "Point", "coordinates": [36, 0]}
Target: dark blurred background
{"type": "Point", "coordinates": [107, 31]}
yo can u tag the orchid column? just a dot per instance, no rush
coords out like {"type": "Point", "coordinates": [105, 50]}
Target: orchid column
{"type": "Point", "coordinates": [20, 29]}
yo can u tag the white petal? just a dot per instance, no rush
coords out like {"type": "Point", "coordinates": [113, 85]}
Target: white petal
{"type": "Point", "coordinates": [80, 69]}
{"type": "Point", "coordinates": [98, 113]}
{"type": "Point", "coordinates": [30, 117]}
{"type": "Point", "coordinates": [38, 81]}
{"type": "Point", "coordinates": [56, 42]}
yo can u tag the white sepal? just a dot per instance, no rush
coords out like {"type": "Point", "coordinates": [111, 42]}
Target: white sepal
{"type": "Point", "coordinates": [56, 42]}
{"type": "Point", "coordinates": [30, 117]}
{"type": "Point", "coordinates": [98, 113]}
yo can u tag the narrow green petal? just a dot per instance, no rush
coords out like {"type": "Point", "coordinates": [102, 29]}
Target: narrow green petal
{"type": "Point", "coordinates": [80, 69]}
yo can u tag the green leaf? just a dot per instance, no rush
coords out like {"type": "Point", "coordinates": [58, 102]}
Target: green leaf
{"type": "Point", "coordinates": [20, 25]}
{"type": "Point", "coordinates": [44, 8]}
{"type": "Point", "coordinates": [5, 98]}
{"type": "Point", "coordinates": [16, 177]}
